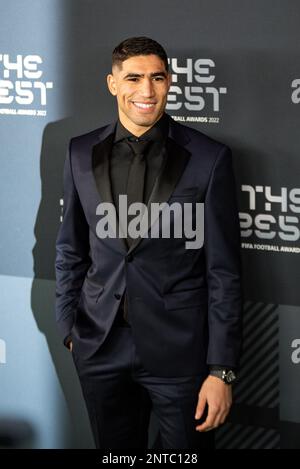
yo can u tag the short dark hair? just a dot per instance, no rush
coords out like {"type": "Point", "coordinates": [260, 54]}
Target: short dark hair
{"type": "Point", "coordinates": [134, 46]}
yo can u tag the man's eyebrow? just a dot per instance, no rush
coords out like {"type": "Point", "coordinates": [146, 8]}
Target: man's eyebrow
{"type": "Point", "coordinates": [137, 75]}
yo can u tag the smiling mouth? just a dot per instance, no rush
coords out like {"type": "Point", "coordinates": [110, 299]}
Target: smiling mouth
{"type": "Point", "coordinates": [143, 105]}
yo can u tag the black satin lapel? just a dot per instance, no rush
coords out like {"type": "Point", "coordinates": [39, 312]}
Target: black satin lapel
{"type": "Point", "coordinates": [176, 159]}
{"type": "Point", "coordinates": [100, 163]}
{"type": "Point", "coordinates": [175, 162]}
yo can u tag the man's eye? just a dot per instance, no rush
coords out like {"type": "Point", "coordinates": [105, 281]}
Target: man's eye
{"type": "Point", "coordinates": [158, 78]}
{"type": "Point", "coordinates": [132, 79]}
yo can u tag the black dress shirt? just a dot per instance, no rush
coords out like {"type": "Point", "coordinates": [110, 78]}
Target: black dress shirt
{"type": "Point", "coordinates": [122, 156]}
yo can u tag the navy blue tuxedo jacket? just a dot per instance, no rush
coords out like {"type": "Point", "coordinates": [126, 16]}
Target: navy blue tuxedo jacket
{"type": "Point", "coordinates": [184, 304]}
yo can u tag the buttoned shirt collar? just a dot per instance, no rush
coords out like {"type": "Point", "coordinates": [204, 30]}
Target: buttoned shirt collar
{"type": "Point", "coordinates": [157, 132]}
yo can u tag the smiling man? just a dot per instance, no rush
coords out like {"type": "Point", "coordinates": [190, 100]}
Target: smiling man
{"type": "Point", "coordinates": [151, 324]}
{"type": "Point", "coordinates": [141, 96]}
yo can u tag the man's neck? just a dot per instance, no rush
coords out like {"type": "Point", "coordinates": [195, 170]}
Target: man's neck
{"type": "Point", "coordinates": [136, 130]}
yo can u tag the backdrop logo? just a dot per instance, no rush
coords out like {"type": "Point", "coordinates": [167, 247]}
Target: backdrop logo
{"type": "Point", "coordinates": [2, 351]}
{"type": "Point", "coordinates": [296, 91]}
{"type": "Point", "coordinates": [194, 90]}
{"type": "Point", "coordinates": [22, 88]}
{"type": "Point", "coordinates": [296, 351]}
{"type": "Point", "coordinates": [270, 219]}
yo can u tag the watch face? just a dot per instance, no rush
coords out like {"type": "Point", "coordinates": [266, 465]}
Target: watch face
{"type": "Point", "coordinates": [230, 376]}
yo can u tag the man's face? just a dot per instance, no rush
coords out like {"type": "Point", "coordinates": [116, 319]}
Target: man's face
{"type": "Point", "coordinates": [141, 87]}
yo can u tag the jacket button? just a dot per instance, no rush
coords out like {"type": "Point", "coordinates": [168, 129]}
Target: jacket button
{"type": "Point", "coordinates": [129, 257]}
{"type": "Point", "coordinates": [117, 296]}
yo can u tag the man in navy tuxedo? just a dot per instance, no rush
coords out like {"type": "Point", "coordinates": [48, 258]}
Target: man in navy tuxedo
{"type": "Point", "coordinates": [151, 324]}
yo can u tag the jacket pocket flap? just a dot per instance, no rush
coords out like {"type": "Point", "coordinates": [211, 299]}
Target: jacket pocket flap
{"type": "Point", "coordinates": [185, 298]}
{"type": "Point", "coordinates": [185, 192]}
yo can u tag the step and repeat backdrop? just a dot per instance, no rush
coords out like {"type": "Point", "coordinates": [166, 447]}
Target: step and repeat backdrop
{"type": "Point", "coordinates": [236, 77]}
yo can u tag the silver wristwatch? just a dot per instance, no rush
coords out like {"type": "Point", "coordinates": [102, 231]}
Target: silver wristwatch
{"type": "Point", "coordinates": [227, 376]}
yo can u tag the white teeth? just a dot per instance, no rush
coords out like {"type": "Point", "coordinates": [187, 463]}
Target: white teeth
{"type": "Point", "coordinates": [143, 105]}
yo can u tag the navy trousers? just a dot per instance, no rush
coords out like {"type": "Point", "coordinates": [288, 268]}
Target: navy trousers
{"type": "Point", "coordinates": [120, 394]}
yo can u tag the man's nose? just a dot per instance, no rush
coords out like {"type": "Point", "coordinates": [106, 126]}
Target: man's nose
{"type": "Point", "coordinates": [147, 88]}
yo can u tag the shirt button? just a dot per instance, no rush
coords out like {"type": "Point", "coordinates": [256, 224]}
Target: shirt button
{"type": "Point", "coordinates": [129, 257]}
{"type": "Point", "coordinates": [117, 296]}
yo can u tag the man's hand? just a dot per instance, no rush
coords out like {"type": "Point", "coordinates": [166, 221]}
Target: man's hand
{"type": "Point", "coordinates": [218, 396]}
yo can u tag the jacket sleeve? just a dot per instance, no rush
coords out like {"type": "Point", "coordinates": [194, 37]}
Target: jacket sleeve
{"type": "Point", "coordinates": [223, 264]}
{"type": "Point", "coordinates": [72, 253]}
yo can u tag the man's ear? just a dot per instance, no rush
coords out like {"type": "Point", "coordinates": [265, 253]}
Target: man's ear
{"type": "Point", "coordinates": [111, 83]}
